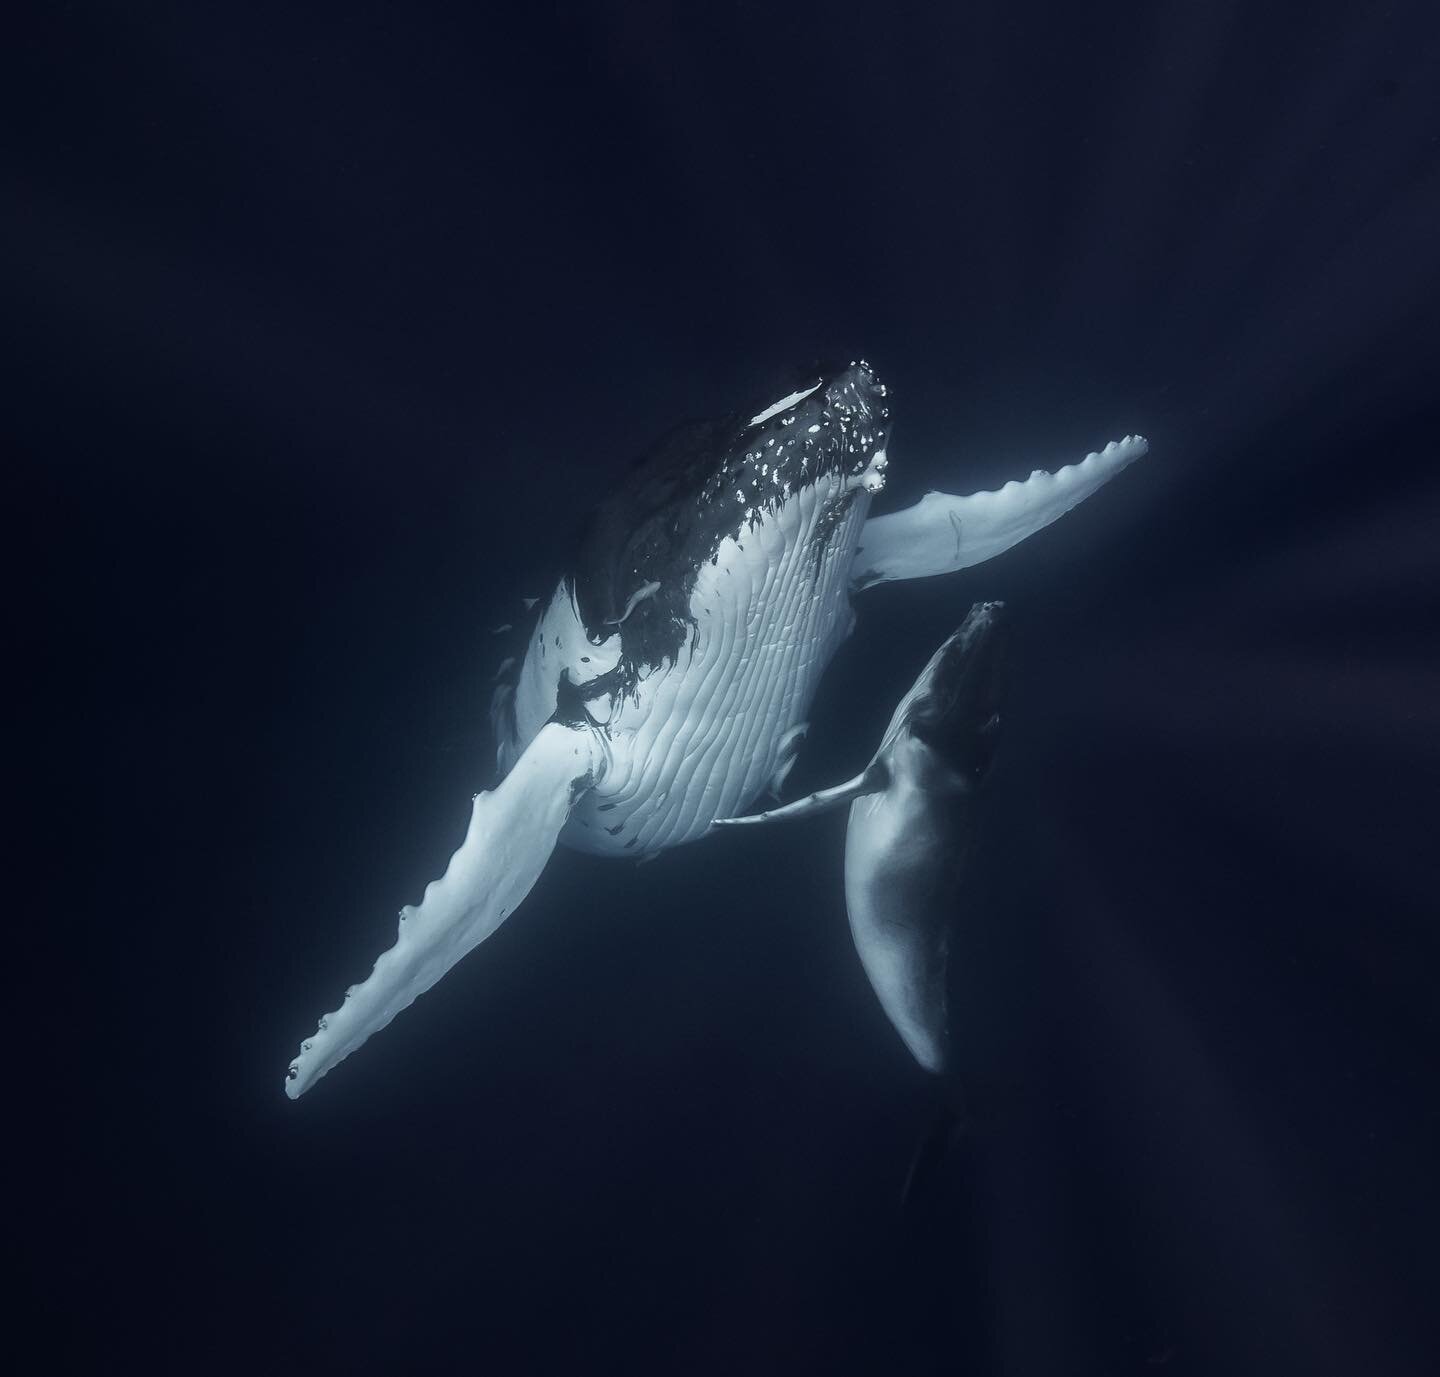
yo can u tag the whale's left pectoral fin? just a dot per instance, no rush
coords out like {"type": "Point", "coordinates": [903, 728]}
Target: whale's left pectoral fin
{"type": "Point", "coordinates": [942, 533]}
{"type": "Point", "coordinates": [512, 832]}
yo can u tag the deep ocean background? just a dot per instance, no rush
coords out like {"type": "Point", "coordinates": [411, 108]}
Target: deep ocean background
{"type": "Point", "coordinates": [327, 327]}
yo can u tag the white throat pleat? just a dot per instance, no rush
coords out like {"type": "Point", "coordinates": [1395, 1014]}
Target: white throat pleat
{"type": "Point", "coordinates": [701, 737]}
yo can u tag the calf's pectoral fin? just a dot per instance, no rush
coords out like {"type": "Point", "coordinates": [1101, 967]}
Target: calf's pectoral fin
{"type": "Point", "coordinates": [871, 778]}
{"type": "Point", "coordinates": [942, 533]}
{"type": "Point", "coordinates": [512, 832]}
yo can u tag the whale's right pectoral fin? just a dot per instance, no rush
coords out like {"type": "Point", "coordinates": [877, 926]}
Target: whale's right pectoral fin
{"type": "Point", "coordinates": [512, 832]}
{"type": "Point", "coordinates": [942, 533]}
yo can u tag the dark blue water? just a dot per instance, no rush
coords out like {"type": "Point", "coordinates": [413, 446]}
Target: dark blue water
{"type": "Point", "coordinates": [329, 327]}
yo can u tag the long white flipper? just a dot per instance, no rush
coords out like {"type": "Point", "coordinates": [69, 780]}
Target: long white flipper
{"type": "Point", "coordinates": [942, 533]}
{"type": "Point", "coordinates": [512, 833]}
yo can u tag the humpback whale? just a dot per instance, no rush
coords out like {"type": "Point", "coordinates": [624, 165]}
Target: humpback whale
{"type": "Point", "coordinates": [665, 677]}
{"type": "Point", "coordinates": [911, 822]}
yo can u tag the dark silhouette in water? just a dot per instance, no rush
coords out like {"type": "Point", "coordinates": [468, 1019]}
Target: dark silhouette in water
{"type": "Point", "coordinates": [930, 1157]}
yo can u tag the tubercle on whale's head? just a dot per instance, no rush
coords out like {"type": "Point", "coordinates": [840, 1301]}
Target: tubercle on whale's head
{"type": "Point", "coordinates": [835, 420]}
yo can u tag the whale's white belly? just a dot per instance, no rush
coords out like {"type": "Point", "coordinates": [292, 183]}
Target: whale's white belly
{"type": "Point", "coordinates": [699, 737]}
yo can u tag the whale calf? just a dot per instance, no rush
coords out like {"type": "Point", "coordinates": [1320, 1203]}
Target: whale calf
{"type": "Point", "coordinates": [912, 821]}
{"type": "Point", "coordinates": [663, 680]}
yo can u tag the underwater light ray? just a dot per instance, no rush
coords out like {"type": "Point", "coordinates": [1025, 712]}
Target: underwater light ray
{"type": "Point", "coordinates": [1196, 1140]}
{"type": "Point", "coordinates": [1254, 222]}
{"type": "Point", "coordinates": [1185, 57]}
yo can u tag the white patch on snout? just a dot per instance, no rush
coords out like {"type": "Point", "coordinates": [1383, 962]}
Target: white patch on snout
{"type": "Point", "coordinates": [784, 404]}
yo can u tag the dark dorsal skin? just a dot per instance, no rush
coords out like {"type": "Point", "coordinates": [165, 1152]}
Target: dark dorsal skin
{"type": "Point", "coordinates": [642, 529]}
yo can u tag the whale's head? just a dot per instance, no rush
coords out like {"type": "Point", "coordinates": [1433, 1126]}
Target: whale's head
{"type": "Point", "coordinates": [707, 480]}
{"type": "Point", "coordinates": [831, 419]}
{"type": "Point", "coordinates": [957, 713]}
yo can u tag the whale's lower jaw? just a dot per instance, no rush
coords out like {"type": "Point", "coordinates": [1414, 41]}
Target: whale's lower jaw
{"type": "Point", "coordinates": [700, 737]}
